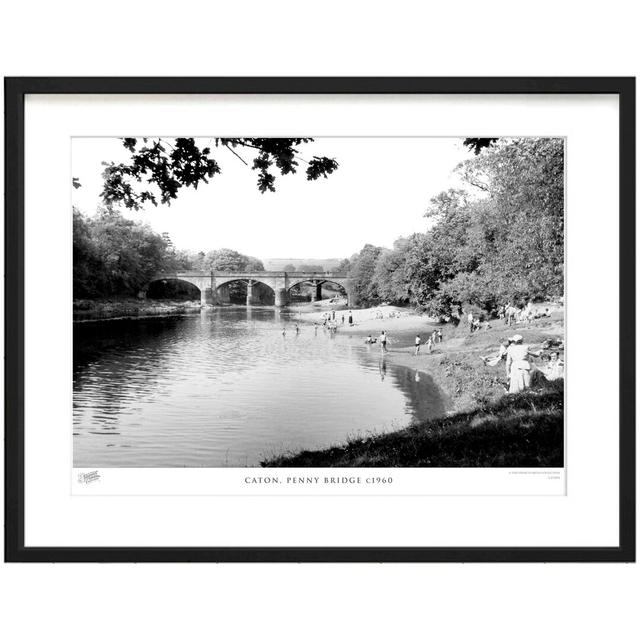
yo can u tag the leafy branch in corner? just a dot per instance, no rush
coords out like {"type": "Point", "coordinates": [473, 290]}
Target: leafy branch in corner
{"type": "Point", "coordinates": [169, 167]}
{"type": "Point", "coordinates": [478, 144]}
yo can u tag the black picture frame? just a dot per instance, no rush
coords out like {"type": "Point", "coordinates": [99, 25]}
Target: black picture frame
{"type": "Point", "coordinates": [15, 91]}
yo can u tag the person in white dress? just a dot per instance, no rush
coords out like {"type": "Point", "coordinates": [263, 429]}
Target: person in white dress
{"type": "Point", "coordinates": [518, 365]}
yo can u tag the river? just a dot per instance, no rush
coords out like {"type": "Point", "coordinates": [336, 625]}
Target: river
{"type": "Point", "coordinates": [225, 388]}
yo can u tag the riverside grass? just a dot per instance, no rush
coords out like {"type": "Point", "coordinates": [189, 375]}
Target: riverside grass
{"type": "Point", "coordinates": [519, 430]}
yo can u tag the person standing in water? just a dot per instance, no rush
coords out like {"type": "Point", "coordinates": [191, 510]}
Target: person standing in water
{"type": "Point", "coordinates": [284, 332]}
{"type": "Point", "coordinates": [417, 350]}
{"type": "Point", "coordinates": [383, 342]}
{"type": "Point", "coordinates": [350, 319]}
{"type": "Point", "coordinates": [343, 318]}
{"type": "Point", "coordinates": [297, 329]}
{"type": "Point", "coordinates": [315, 328]}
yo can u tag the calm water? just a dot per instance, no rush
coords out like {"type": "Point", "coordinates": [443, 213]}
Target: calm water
{"type": "Point", "coordinates": [225, 388]}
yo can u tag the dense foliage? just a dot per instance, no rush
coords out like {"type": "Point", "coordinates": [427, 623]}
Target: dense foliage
{"type": "Point", "coordinates": [169, 164]}
{"type": "Point", "coordinates": [499, 239]}
{"type": "Point", "coordinates": [114, 256]}
{"type": "Point", "coordinates": [216, 260]}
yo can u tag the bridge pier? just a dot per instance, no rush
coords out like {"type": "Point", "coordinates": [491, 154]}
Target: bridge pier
{"type": "Point", "coordinates": [316, 292]}
{"type": "Point", "coordinates": [249, 293]}
{"type": "Point", "coordinates": [223, 294]}
{"type": "Point", "coordinates": [206, 297]}
{"type": "Point", "coordinates": [281, 297]}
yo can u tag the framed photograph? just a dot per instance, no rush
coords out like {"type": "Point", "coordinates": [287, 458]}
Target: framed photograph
{"type": "Point", "coordinates": [320, 319]}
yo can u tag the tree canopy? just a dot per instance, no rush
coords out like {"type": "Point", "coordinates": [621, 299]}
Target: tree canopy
{"type": "Point", "coordinates": [226, 260]}
{"type": "Point", "coordinates": [499, 239]}
{"type": "Point", "coordinates": [114, 256]}
{"type": "Point", "coordinates": [170, 164]}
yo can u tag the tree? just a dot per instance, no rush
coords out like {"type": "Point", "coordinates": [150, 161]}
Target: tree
{"type": "Point", "coordinates": [113, 255]}
{"type": "Point", "coordinates": [184, 260]}
{"type": "Point", "coordinates": [289, 267]}
{"type": "Point", "coordinates": [501, 240]}
{"type": "Point", "coordinates": [171, 164]}
{"type": "Point", "coordinates": [361, 276]}
{"type": "Point", "coordinates": [389, 274]}
{"type": "Point", "coordinates": [230, 260]}
{"type": "Point", "coordinates": [85, 260]}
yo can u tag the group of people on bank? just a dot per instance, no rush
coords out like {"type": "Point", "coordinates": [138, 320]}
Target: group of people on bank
{"type": "Point", "coordinates": [329, 319]}
{"type": "Point", "coordinates": [510, 314]}
{"type": "Point", "coordinates": [520, 368]}
{"type": "Point", "coordinates": [523, 365]}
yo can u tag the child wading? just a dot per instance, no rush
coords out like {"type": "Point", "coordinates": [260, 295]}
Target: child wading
{"type": "Point", "coordinates": [417, 351]}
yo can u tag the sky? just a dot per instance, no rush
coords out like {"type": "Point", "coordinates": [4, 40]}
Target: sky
{"type": "Point", "coordinates": [378, 194]}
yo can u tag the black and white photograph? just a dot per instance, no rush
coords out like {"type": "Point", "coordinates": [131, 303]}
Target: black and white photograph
{"type": "Point", "coordinates": [318, 302]}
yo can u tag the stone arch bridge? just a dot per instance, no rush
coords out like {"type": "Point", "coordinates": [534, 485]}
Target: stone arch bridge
{"type": "Point", "coordinates": [213, 291]}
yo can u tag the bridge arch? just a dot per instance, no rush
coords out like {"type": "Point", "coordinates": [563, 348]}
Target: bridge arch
{"type": "Point", "coordinates": [160, 288]}
{"type": "Point", "coordinates": [316, 293]}
{"type": "Point", "coordinates": [250, 290]}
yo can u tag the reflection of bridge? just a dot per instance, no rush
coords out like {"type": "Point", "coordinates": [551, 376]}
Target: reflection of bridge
{"type": "Point", "coordinates": [213, 290]}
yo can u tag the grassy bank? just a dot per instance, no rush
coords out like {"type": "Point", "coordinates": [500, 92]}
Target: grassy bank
{"type": "Point", "coordinates": [456, 364]}
{"type": "Point", "coordinates": [520, 430]}
{"type": "Point", "coordinates": [114, 308]}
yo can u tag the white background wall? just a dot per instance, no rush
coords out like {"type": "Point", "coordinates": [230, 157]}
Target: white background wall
{"type": "Point", "coordinates": [319, 38]}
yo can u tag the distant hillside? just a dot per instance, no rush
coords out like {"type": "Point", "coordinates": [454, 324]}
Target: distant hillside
{"type": "Point", "coordinates": [278, 264]}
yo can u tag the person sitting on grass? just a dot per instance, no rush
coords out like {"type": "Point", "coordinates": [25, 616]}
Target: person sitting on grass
{"type": "Point", "coordinates": [555, 368]}
{"type": "Point", "coordinates": [493, 360]}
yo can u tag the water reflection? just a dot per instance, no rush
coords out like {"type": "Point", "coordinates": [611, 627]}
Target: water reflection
{"type": "Point", "coordinates": [230, 387]}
